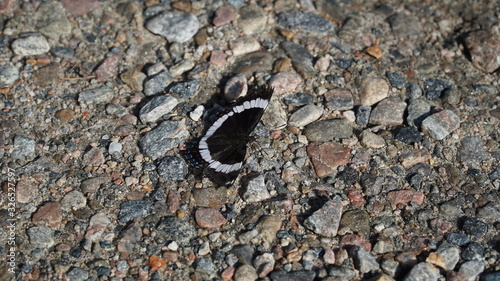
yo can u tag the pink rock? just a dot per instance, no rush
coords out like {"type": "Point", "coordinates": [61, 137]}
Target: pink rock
{"type": "Point", "coordinates": [209, 218]}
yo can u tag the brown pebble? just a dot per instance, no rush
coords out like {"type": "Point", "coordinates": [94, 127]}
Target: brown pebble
{"type": "Point", "coordinates": [65, 115]}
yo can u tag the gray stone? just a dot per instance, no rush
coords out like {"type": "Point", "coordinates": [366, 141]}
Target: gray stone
{"type": "Point", "coordinates": [73, 200]}
{"type": "Point", "coordinates": [388, 112]}
{"type": "Point", "coordinates": [363, 261]}
{"type": "Point", "coordinates": [305, 115]}
{"type": "Point", "coordinates": [52, 21]}
{"type": "Point", "coordinates": [326, 220]}
{"type": "Point", "coordinates": [8, 75]}
{"type": "Point", "coordinates": [450, 254]}
{"type": "Point", "coordinates": [471, 269]}
{"type": "Point", "coordinates": [41, 236]}
{"type": "Point", "coordinates": [307, 22]}
{"type": "Point", "coordinates": [441, 124]}
{"type": "Point", "coordinates": [174, 229]}
{"type": "Point", "coordinates": [255, 190]}
{"type": "Point", "coordinates": [422, 272]}
{"type": "Point", "coordinates": [157, 107]}
{"type": "Point", "coordinates": [164, 137]}
{"type": "Point", "coordinates": [30, 45]}
{"type": "Point", "coordinates": [174, 26]}
{"type": "Point", "coordinates": [77, 274]}
{"type": "Point", "coordinates": [102, 94]}
{"type": "Point", "coordinates": [302, 60]}
{"type": "Point", "coordinates": [418, 110]}
{"type": "Point", "coordinates": [130, 210]}
{"type": "Point", "coordinates": [472, 151]}
{"type": "Point", "coordinates": [24, 148]}
{"type": "Point", "coordinates": [252, 19]}
{"type": "Point", "coordinates": [185, 89]}
{"type": "Point", "coordinates": [158, 83]}
{"type": "Point", "coordinates": [172, 168]}
{"type": "Point", "coordinates": [326, 130]}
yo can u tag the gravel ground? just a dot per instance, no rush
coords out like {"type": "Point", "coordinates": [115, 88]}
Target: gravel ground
{"type": "Point", "coordinates": [377, 158]}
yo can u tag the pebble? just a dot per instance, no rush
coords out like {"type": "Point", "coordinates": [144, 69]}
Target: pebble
{"type": "Point", "coordinates": [405, 25]}
{"type": "Point", "coordinates": [172, 168]}
{"type": "Point", "coordinates": [408, 135]}
{"type": "Point", "coordinates": [372, 90]}
{"type": "Point", "coordinates": [284, 82]}
{"type": "Point", "coordinates": [210, 197]}
{"type": "Point", "coordinates": [97, 226]}
{"type": "Point", "coordinates": [396, 80]}
{"type": "Point", "coordinates": [356, 221]}
{"type": "Point", "coordinates": [77, 274]}
{"type": "Point", "coordinates": [205, 266]}
{"type": "Point", "coordinates": [74, 200]}
{"type": "Point", "coordinates": [167, 135]}
{"type": "Point", "coordinates": [255, 190]}
{"type": "Point", "coordinates": [363, 261]}
{"type": "Point", "coordinates": [93, 184]}
{"type": "Point", "coordinates": [301, 275]}
{"type": "Point", "coordinates": [405, 196]}
{"type": "Point", "coordinates": [65, 115]}
{"type": "Point", "coordinates": [457, 238]}
{"type": "Point", "coordinates": [158, 83]}
{"type": "Point", "coordinates": [326, 220]}
{"type": "Point", "coordinates": [327, 157]}
{"type": "Point", "coordinates": [244, 45]}
{"type": "Point", "coordinates": [223, 15]}
{"type": "Point", "coordinates": [94, 157]}
{"type": "Point", "coordinates": [302, 60]}
{"type": "Point", "coordinates": [391, 267]}
{"type": "Point", "coordinates": [129, 237]}
{"type": "Point", "coordinates": [422, 272]}
{"type": "Point", "coordinates": [267, 228]}
{"type": "Point", "coordinates": [306, 22]}
{"type": "Point", "coordinates": [484, 49]}
{"type": "Point", "coordinates": [339, 99]}
{"type": "Point", "coordinates": [418, 110]}
{"type": "Point", "coordinates": [305, 115]}
{"type": "Point", "coordinates": [326, 130]}
{"type": "Point", "coordinates": [130, 210]}
{"type": "Point", "coordinates": [471, 269]}
{"type": "Point", "coordinates": [50, 214]}
{"type": "Point", "coordinates": [24, 148]}
{"type": "Point", "coordinates": [115, 147]}
{"type": "Point", "coordinates": [209, 218]}
{"type": "Point", "coordinates": [235, 87]}
{"type": "Point", "coordinates": [446, 256]}
{"type": "Point", "coordinates": [197, 113]}
{"type": "Point", "coordinates": [30, 45]}
{"type": "Point", "coordinates": [388, 112]}
{"type": "Point", "coordinates": [471, 151]}
{"type": "Point", "coordinates": [102, 94]}
{"type": "Point", "coordinates": [185, 89]}
{"type": "Point", "coordinates": [341, 273]}
{"type": "Point", "coordinates": [473, 252]}
{"type": "Point", "coordinates": [41, 236]}
{"type": "Point", "coordinates": [363, 115]}
{"type": "Point", "coordinates": [218, 58]}
{"type": "Point", "coordinates": [134, 79]}
{"type": "Point", "coordinates": [343, 63]}
{"type": "Point", "coordinates": [252, 19]}
{"type": "Point", "coordinates": [182, 67]}
{"type": "Point", "coordinates": [474, 227]}
{"type": "Point", "coordinates": [248, 64]}
{"type": "Point", "coordinates": [441, 124]}
{"type": "Point", "coordinates": [8, 75]}
{"type": "Point", "coordinates": [62, 52]}
{"type": "Point", "coordinates": [414, 91]}
{"type": "Point", "coordinates": [173, 228]}
{"type": "Point", "coordinates": [79, 8]}
{"type": "Point", "coordinates": [26, 191]}
{"type": "Point", "coordinates": [371, 140]}
{"type": "Point", "coordinates": [297, 99]}
{"type": "Point", "coordinates": [245, 272]}
{"type": "Point", "coordinates": [264, 264]}
{"type": "Point", "coordinates": [156, 108]}
{"type": "Point", "coordinates": [434, 88]}
{"type": "Point", "coordinates": [174, 26]}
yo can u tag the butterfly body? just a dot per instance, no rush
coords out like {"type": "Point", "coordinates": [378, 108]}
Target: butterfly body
{"type": "Point", "coordinates": [221, 151]}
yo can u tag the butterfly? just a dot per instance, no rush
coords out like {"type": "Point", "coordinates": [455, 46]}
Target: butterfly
{"type": "Point", "coordinates": [221, 151]}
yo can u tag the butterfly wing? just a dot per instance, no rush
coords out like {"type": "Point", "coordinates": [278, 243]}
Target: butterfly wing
{"type": "Point", "coordinates": [222, 150]}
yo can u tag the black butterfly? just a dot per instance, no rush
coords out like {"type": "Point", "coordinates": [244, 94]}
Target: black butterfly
{"type": "Point", "coordinates": [221, 151]}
